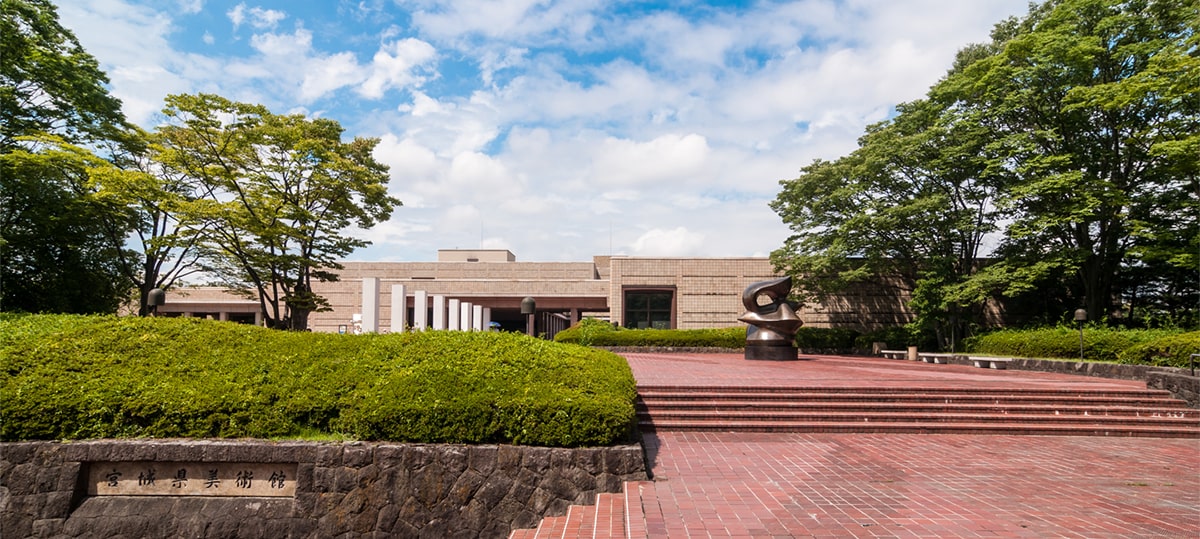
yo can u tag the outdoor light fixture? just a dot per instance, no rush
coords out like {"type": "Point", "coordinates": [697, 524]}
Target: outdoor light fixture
{"type": "Point", "coordinates": [155, 298]}
{"type": "Point", "coordinates": [1081, 317]}
{"type": "Point", "coordinates": [529, 308]}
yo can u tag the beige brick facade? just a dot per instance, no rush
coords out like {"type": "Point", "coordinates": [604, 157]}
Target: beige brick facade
{"type": "Point", "coordinates": [705, 292]}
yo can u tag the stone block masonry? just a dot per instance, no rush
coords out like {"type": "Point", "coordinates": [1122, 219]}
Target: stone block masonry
{"type": "Point", "coordinates": [354, 489]}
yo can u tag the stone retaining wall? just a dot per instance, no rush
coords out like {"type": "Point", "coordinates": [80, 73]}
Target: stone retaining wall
{"type": "Point", "coordinates": [1182, 386]}
{"type": "Point", "coordinates": [351, 489]}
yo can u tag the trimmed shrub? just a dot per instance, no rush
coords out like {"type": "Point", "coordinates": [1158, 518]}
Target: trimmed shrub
{"type": "Point", "coordinates": [895, 338]}
{"type": "Point", "coordinates": [77, 377]}
{"type": "Point", "coordinates": [1099, 343]}
{"type": "Point", "coordinates": [826, 338]}
{"type": "Point", "coordinates": [591, 332]}
{"type": "Point", "coordinates": [585, 332]}
{"type": "Point", "coordinates": [596, 333]}
{"type": "Point", "coordinates": [1166, 351]}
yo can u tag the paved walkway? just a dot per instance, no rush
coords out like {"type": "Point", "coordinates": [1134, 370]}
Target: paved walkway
{"type": "Point", "coordinates": [873, 485]}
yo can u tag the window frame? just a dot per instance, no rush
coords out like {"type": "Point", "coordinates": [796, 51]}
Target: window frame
{"type": "Point", "coordinates": [648, 290]}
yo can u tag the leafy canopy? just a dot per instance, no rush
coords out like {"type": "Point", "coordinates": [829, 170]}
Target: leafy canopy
{"type": "Point", "coordinates": [1064, 150]}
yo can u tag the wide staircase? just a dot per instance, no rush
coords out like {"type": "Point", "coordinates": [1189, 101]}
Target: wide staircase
{"type": "Point", "coordinates": [931, 410]}
{"type": "Point", "coordinates": [942, 410]}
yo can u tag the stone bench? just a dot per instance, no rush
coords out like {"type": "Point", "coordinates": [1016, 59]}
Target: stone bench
{"type": "Point", "coordinates": [990, 362]}
{"type": "Point", "coordinates": [940, 359]}
{"type": "Point", "coordinates": [894, 354]}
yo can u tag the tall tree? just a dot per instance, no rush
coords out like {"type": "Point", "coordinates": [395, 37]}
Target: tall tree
{"type": "Point", "coordinates": [48, 82]}
{"type": "Point", "coordinates": [55, 257]}
{"type": "Point", "coordinates": [1096, 105]}
{"type": "Point", "coordinates": [52, 240]}
{"type": "Point", "coordinates": [912, 206]}
{"type": "Point", "coordinates": [1076, 128]}
{"type": "Point", "coordinates": [158, 222]}
{"type": "Point", "coordinates": [282, 191]}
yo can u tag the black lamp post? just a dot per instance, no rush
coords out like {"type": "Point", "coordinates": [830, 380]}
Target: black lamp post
{"type": "Point", "coordinates": [529, 308]}
{"type": "Point", "coordinates": [1081, 317]}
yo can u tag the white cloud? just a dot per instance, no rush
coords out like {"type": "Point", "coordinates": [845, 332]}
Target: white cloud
{"type": "Point", "coordinates": [258, 17]}
{"type": "Point", "coordinates": [678, 241]}
{"type": "Point", "coordinates": [506, 19]}
{"type": "Point", "coordinates": [323, 75]}
{"type": "Point", "coordinates": [621, 162]}
{"type": "Point", "coordinates": [191, 6]}
{"type": "Point", "coordinates": [560, 126]}
{"type": "Point", "coordinates": [237, 15]}
{"type": "Point", "coordinates": [394, 66]}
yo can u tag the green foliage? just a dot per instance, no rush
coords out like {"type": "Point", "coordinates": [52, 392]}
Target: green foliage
{"type": "Point", "coordinates": [74, 377]}
{"type": "Point", "coordinates": [1072, 134]}
{"type": "Point", "coordinates": [1166, 351]}
{"type": "Point", "coordinates": [590, 332]}
{"type": "Point", "coordinates": [54, 256]}
{"type": "Point", "coordinates": [48, 83]}
{"type": "Point", "coordinates": [588, 329]}
{"type": "Point", "coordinates": [897, 338]}
{"type": "Point", "coordinates": [826, 338]}
{"type": "Point", "coordinates": [279, 193]}
{"type": "Point", "coordinates": [597, 335]}
{"type": "Point", "coordinates": [1099, 343]}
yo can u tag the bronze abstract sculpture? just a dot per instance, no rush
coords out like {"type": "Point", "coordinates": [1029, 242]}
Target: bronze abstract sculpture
{"type": "Point", "coordinates": [772, 326]}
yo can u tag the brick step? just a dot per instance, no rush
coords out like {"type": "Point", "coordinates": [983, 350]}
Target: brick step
{"type": "Point", "coordinates": [1084, 399]}
{"type": "Point", "coordinates": [551, 528]}
{"type": "Point", "coordinates": [1018, 407]}
{"type": "Point", "coordinates": [769, 391]}
{"type": "Point", "coordinates": [903, 427]}
{"type": "Point", "coordinates": [837, 416]}
{"type": "Point", "coordinates": [580, 521]}
{"type": "Point", "coordinates": [609, 515]}
{"type": "Point", "coordinates": [604, 519]}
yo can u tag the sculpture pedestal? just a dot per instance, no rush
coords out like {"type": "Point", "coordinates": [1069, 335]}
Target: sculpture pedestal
{"type": "Point", "coordinates": [771, 352]}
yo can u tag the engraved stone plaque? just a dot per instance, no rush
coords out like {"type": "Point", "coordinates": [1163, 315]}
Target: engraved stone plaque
{"type": "Point", "coordinates": [191, 479]}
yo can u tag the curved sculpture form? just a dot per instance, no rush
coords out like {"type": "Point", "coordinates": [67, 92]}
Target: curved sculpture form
{"type": "Point", "coordinates": [772, 326]}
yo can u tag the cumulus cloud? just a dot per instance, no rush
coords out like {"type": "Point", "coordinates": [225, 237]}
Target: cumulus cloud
{"type": "Point", "coordinates": [257, 17]}
{"type": "Point", "coordinates": [396, 65]}
{"type": "Point", "coordinates": [563, 127]}
{"type": "Point", "coordinates": [678, 241]}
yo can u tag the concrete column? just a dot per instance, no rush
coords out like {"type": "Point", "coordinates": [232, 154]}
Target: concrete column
{"type": "Point", "coordinates": [370, 305]}
{"type": "Point", "coordinates": [420, 314]}
{"type": "Point", "coordinates": [223, 316]}
{"type": "Point", "coordinates": [477, 318]}
{"type": "Point", "coordinates": [465, 313]}
{"type": "Point", "coordinates": [258, 318]}
{"type": "Point", "coordinates": [439, 311]}
{"type": "Point", "coordinates": [453, 318]}
{"type": "Point", "coordinates": [399, 309]}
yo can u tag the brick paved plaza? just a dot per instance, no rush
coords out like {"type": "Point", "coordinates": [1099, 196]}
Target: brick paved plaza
{"type": "Point", "coordinates": [739, 484]}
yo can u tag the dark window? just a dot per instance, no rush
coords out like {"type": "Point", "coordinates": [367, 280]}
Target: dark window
{"type": "Point", "coordinates": [648, 309]}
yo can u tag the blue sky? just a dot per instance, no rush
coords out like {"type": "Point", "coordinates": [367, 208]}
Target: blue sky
{"type": "Point", "coordinates": [557, 129]}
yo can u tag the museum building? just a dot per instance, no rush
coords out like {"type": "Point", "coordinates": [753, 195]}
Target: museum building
{"type": "Point", "coordinates": [633, 292]}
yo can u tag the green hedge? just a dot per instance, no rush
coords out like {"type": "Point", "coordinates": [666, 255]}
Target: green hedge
{"type": "Point", "coordinates": [1165, 351]}
{"type": "Point", "coordinates": [77, 377]}
{"type": "Point", "coordinates": [897, 338]}
{"type": "Point", "coordinates": [1099, 343]}
{"type": "Point", "coordinates": [826, 339]}
{"type": "Point", "coordinates": [591, 332]}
